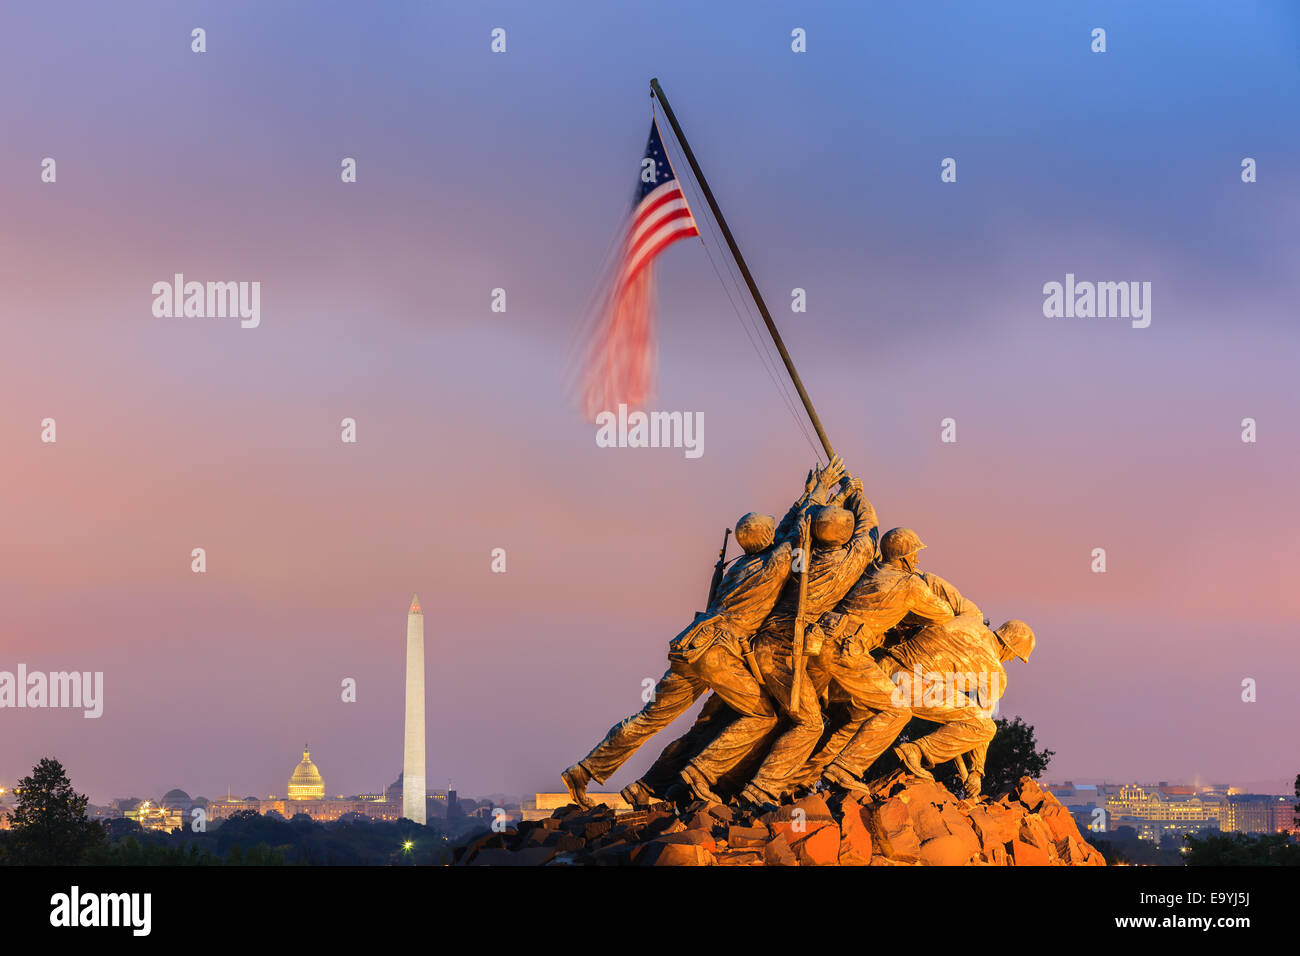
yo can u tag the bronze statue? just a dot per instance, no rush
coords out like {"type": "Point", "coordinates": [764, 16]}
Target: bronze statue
{"type": "Point", "coordinates": [889, 591]}
{"type": "Point", "coordinates": [844, 542]}
{"type": "Point", "coordinates": [710, 653]}
{"type": "Point", "coordinates": [962, 647]}
{"type": "Point", "coordinates": [848, 618]}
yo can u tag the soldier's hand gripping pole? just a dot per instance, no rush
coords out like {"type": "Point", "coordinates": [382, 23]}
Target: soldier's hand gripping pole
{"type": "Point", "coordinates": [796, 650]}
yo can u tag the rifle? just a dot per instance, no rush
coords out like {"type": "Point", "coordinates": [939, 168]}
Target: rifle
{"type": "Point", "coordinates": [796, 651]}
{"type": "Point", "coordinates": [718, 569]}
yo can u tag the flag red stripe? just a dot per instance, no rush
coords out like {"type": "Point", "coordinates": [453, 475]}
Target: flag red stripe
{"type": "Point", "coordinates": [676, 210]}
{"type": "Point", "coordinates": [640, 240]}
{"type": "Point", "coordinates": [650, 205]}
{"type": "Point", "coordinates": [647, 255]}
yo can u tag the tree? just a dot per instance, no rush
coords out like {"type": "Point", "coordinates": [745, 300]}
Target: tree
{"type": "Point", "coordinates": [49, 825]}
{"type": "Point", "coordinates": [121, 827]}
{"type": "Point", "coordinates": [1013, 754]}
{"type": "Point", "coordinates": [1242, 849]}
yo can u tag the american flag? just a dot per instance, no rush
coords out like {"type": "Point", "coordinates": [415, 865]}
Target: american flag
{"type": "Point", "coordinates": [620, 361]}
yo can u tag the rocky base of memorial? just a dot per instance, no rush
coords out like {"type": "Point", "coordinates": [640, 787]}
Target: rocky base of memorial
{"type": "Point", "coordinates": [906, 822]}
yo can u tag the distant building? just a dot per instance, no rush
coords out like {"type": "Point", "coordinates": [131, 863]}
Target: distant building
{"type": "Point", "coordinates": [306, 782]}
{"type": "Point", "coordinates": [437, 805]}
{"type": "Point", "coordinates": [177, 800]}
{"type": "Point", "coordinates": [155, 816]}
{"type": "Point", "coordinates": [327, 811]}
{"type": "Point", "coordinates": [227, 807]}
{"type": "Point", "coordinates": [1260, 813]}
{"type": "Point", "coordinates": [97, 812]}
{"type": "Point", "coordinates": [435, 801]}
{"type": "Point", "coordinates": [1163, 811]}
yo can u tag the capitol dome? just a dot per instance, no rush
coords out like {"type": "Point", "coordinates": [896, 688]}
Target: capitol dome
{"type": "Point", "coordinates": [306, 782]}
{"type": "Point", "coordinates": [177, 800]}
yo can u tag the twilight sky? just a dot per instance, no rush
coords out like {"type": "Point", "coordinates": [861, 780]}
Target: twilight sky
{"type": "Point", "coordinates": [479, 170]}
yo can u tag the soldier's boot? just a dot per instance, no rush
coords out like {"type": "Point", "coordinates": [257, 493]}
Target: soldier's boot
{"type": "Point", "coordinates": [910, 756]}
{"type": "Point", "coordinates": [575, 780]}
{"type": "Point", "coordinates": [637, 794]}
{"type": "Point", "coordinates": [699, 784]}
{"type": "Point", "coordinates": [837, 775]}
{"type": "Point", "coordinates": [974, 784]}
{"type": "Point", "coordinates": [959, 762]}
{"type": "Point", "coordinates": [807, 780]}
{"type": "Point", "coordinates": [759, 799]}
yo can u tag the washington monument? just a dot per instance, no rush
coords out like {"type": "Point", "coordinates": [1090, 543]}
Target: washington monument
{"type": "Point", "coordinates": [413, 797]}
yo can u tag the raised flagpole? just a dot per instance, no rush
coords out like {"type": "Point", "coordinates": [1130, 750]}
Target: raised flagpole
{"type": "Point", "coordinates": [658, 92]}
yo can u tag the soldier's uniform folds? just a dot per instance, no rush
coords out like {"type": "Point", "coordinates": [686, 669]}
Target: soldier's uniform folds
{"type": "Point", "coordinates": [883, 597]}
{"type": "Point", "coordinates": [960, 648]}
{"type": "Point", "coordinates": [719, 668]}
{"type": "Point", "coordinates": [709, 655]}
{"type": "Point", "coordinates": [831, 572]}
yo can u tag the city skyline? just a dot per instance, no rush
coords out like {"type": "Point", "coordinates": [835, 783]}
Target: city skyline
{"type": "Point", "coordinates": [1276, 787]}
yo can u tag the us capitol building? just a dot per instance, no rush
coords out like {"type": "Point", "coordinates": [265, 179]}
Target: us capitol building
{"type": "Point", "coordinates": [306, 782]}
{"type": "Point", "coordinates": [306, 794]}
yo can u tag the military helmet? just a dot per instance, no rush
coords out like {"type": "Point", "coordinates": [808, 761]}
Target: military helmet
{"type": "Point", "coordinates": [832, 526]}
{"type": "Point", "coordinates": [754, 532]}
{"type": "Point", "coordinates": [1018, 637]}
{"type": "Point", "coordinates": [898, 543]}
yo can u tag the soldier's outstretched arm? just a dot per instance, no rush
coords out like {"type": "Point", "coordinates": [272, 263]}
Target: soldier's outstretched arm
{"type": "Point", "coordinates": [959, 603]}
{"type": "Point", "coordinates": [866, 527]}
{"type": "Point", "coordinates": [927, 605]}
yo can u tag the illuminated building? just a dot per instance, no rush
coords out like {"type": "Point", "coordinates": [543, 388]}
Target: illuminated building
{"type": "Point", "coordinates": [327, 811]}
{"type": "Point", "coordinates": [154, 816]}
{"type": "Point", "coordinates": [306, 782]}
{"type": "Point", "coordinates": [1259, 813]}
{"type": "Point", "coordinates": [227, 807]}
{"type": "Point", "coordinates": [1163, 811]}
